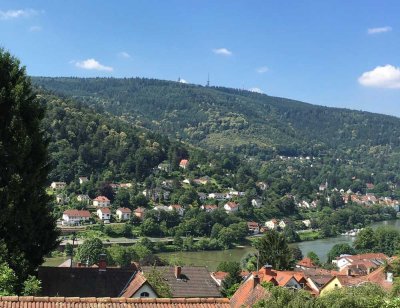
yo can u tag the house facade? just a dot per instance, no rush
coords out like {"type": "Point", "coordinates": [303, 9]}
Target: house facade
{"type": "Point", "coordinates": [58, 185]}
{"type": "Point", "coordinates": [74, 217]}
{"type": "Point", "coordinates": [104, 214]}
{"type": "Point", "coordinates": [101, 201]}
{"type": "Point", "coordinates": [123, 213]}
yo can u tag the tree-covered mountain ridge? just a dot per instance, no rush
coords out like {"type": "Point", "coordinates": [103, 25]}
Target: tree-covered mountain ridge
{"type": "Point", "coordinates": [231, 119]}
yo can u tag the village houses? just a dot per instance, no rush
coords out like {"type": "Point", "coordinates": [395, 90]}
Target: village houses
{"type": "Point", "coordinates": [74, 217]}
{"type": "Point", "coordinates": [123, 213]}
{"type": "Point", "coordinates": [104, 214]}
{"type": "Point", "coordinates": [101, 201]}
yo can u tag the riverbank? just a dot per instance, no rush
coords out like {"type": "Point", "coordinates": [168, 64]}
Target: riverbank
{"type": "Point", "coordinates": [212, 258]}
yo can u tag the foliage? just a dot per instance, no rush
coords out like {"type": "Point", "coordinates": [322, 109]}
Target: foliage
{"type": "Point", "coordinates": [156, 279]}
{"type": "Point", "coordinates": [274, 250]}
{"type": "Point", "coordinates": [383, 239]}
{"type": "Point", "coordinates": [32, 286]}
{"type": "Point", "coordinates": [26, 224]}
{"type": "Point", "coordinates": [340, 249]}
{"type": "Point", "coordinates": [8, 280]}
{"type": "Point", "coordinates": [314, 258]}
{"type": "Point", "coordinates": [232, 281]}
{"type": "Point", "coordinates": [364, 296]}
{"type": "Point", "coordinates": [89, 252]}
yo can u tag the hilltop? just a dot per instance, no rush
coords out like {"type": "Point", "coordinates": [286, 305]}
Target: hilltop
{"type": "Point", "coordinates": [229, 119]}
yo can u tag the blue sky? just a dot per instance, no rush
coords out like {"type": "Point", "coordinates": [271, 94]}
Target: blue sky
{"type": "Point", "coordinates": [332, 53]}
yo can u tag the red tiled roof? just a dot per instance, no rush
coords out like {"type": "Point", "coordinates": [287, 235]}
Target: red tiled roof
{"type": "Point", "coordinates": [101, 199]}
{"type": "Point", "coordinates": [77, 213]}
{"type": "Point", "coordinates": [248, 294]}
{"type": "Point", "coordinates": [124, 210]}
{"type": "Point", "coordinates": [105, 210]}
{"type": "Point", "coordinates": [232, 204]}
{"type": "Point", "coordinates": [220, 275]}
{"type": "Point", "coordinates": [210, 206]}
{"type": "Point", "coordinates": [140, 210]}
{"type": "Point", "coordinates": [101, 302]}
{"type": "Point", "coordinates": [176, 206]}
{"type": "Point", "coordinates": [379, 277]}
{"type": "Point", "coordinates": [366, 256]}
{"type": "Point", "coordinates": [306, 262]}
{"type": "Point", "coordinates": [183, 162]}
{"type": "Point", "coordinates": [252, 224]}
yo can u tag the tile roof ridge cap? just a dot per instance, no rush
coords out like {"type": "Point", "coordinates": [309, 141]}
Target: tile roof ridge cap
{"type": "Point", "coordinates": [109, 299]}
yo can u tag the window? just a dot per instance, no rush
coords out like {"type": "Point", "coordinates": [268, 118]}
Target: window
{"type": "Point", "coordinates": [144, 294]}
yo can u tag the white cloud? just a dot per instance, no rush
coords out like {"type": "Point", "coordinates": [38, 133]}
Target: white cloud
{"type": "Point", "coordinates": [256, 90]}
{"type": "Point", "coordinates": [13, 14]}
{"type": "Point", "coordinates": [35, 29]}
{"type": "Point", "coordinates": [92, 64]}
{"type": "Point", "coordinates": [262, 69]}
{"type": "Point", "coordinates": [379, 30]}
{"type": "Point", "coordinates": [124, 54]}
{"type": "Point", "coordinates": [181, 80]}
{"type": "Point", "coordinates": [387, 76]}
{"type": "Point", "coordinates": [222, 51]}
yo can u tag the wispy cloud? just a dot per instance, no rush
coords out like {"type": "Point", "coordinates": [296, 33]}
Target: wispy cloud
{"type": "Point", "coordinates": [14, 14]}
{"type": "Point", "coordinates": [262, 69]}
{"type": "Point", "coordinates": [379, 30]}
{"type": "Point", "coordinates": [35, 29]}
{"type": "Point", "coordinates": [222, 51]}
{"type": "Point", "coordinates": [92, 64]}
{"type": "Point", "coordinates": [124, 54]}
{"type": "Point", "coordinates": [387, 76]}
{"type": "Point", "coordinates": [256, 90]}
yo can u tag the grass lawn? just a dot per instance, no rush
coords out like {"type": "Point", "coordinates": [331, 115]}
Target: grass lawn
{"type": "Point", "coordinates": [309, 235]}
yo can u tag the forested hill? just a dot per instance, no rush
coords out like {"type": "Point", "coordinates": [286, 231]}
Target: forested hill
{"type": "Point", "coordinates": [83, 142]}
{"type": "Point", "coordinates": [221, 118]}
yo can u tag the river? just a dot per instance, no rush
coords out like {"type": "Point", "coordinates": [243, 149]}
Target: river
{"type": "Point", "coordinates": [211, 259]}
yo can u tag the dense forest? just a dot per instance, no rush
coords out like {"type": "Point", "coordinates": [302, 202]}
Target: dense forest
{"type": "Point", "coordinates": [345, 148]}
{"type": "Point", "coordinates": [85, 143]}
{"type": "Point", "coordinates": [221, 118]}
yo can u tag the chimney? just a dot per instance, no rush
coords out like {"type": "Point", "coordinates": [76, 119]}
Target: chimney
{"type": "Point", "coordinates": [178, 272]}
{"type": "Point", "coordinates": [256, 280]}
{"type": "Point", "coordinates": [268, 269]}
{"type": "Point", "coordinates": [102, 263]}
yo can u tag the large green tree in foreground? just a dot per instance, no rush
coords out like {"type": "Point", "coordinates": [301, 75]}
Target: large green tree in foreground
{"type": "Point", "coordinates": [274, 250]}
{"type": "Point", "coordinates": [26, 226]}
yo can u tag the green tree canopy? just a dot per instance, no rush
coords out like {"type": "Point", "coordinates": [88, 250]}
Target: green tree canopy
{"type": "Point", "coordinates": [274, 250]}
{"type": "Point", "coordinates": [26, 224]}
{"type": "Point", "coordinates": [90, 251]}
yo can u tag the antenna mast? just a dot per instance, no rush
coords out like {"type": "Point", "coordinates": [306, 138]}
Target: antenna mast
{"type": "Point", "coordinates": [208, 80]}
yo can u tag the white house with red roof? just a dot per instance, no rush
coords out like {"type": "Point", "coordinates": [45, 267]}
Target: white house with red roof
{"type": "Point", "coordinates": [123, 213]}
{"type": "Point", "coordinates": [178, 208]}
{"type": "Point", "coordinates": [209, 207]}
{"type": "Point", "coordinates": [104, 214]}
{"type": "Point", "coordinates": [231, 207]}
{"type": "Point", "coordinates": [253, 227]}
{"type": "Point", "coordinates": [184, 163]}
{"type": "Point", "coordinates": [139, 212]}
{"type": "Point", "coordinates": [101, 201]}
{"type": "Point", "coordinates": [74, 217]}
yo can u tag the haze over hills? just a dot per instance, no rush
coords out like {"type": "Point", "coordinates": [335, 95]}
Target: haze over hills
{"type": "Point", "coordinates": [230, 119]}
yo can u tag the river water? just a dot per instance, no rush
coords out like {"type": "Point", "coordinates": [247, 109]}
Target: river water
{"type": "Point", "coordinates": [211, 259]}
